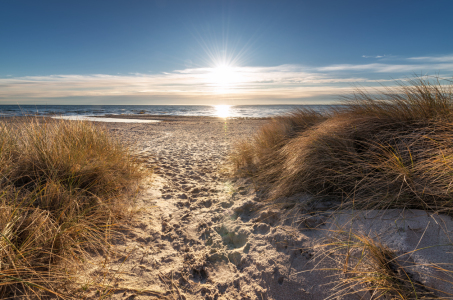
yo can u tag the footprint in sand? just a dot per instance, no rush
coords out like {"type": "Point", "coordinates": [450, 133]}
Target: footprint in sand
{"type": "Point", "coordinates": [233, 239]}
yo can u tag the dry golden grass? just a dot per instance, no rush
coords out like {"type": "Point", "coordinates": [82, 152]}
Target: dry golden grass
{"type": "Point", "coordinates": [272, 136]}
{"type": "Point", "coordinates": [387, 149]}
{"type": "Point", "coordinates": [370, 268]}
{"type": "Point", "coordinates": [61, 192]}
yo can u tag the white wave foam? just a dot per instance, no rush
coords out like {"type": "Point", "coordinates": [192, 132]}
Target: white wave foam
{"type": "Point", "coordinates": [111, 120]}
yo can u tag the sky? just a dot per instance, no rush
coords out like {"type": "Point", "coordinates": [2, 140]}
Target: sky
{"type": "Point", "coordinates": [216, 51]}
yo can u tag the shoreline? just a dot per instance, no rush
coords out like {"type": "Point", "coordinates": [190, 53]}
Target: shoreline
{"type": "Point", "coordinates": [252, 111]}
{"type": "Point", "coordinates": [161, 118]}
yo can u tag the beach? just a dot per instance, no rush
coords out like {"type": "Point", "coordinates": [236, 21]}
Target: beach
{"type": "Point", "coordinates": [224, 150]}
{"type": "Point", "coordinates": [193, 228]}
{"type": "Point", "coordinates": [198, 232]}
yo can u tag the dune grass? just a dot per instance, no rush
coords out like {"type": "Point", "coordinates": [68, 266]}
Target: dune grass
{"type": "Point", "coordinates": [61, 192]}
{"type": "Point", "coordinates": [371, 268]}
{"type": "Point", "coordinates": [387, 148]}
{"type": "Point", "coordinates": [390, 148]}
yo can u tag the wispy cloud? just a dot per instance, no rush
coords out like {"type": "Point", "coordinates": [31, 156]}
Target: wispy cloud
{"type": "Point", "coordinates": [390, 68]}
{"type": "Point", "coordinates": [280, 82]}
{"type": "Point", "coordinates": [373, 56]}
{"type": "Point", "coordinates": [446, 58]}
{"type": "Point", "coordinates": [284, 83]}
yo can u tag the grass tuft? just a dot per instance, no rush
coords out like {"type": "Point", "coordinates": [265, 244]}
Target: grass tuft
{"type": "Point", "coordinates": [62, 189]}
{"type": "Point", "coordinates": [369, 267]}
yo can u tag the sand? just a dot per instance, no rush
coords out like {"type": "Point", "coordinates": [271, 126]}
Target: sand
{"type": "Point", "coordinates": [200, 233]}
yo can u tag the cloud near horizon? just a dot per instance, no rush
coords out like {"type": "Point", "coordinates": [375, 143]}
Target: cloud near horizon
{"type": "Point", "coordinates": [243, 85]}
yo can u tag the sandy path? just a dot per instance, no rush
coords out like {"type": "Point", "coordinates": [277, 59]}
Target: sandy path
{"type": "Point", "coordinates": [196, 234]}
{"type": "Point", "coordinates": [196, 226]}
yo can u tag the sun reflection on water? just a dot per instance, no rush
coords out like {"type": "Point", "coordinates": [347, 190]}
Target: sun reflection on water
{"type": "Point", "coordinates": [222, 111]}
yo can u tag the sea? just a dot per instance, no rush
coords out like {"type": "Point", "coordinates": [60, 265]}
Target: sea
{"type": "Point", "coordinates": [90, 111]}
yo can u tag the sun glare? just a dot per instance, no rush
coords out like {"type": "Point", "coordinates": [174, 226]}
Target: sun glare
{"type": "Point", "coordinates": [222, 111]}
{"type": "Point", "coordinates": [224, 78]}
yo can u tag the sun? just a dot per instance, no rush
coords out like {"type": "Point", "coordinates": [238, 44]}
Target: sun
{"type": "Point", "coordinates": [223, 75]}
{"type": "Point", "coordinates": [224, 78]}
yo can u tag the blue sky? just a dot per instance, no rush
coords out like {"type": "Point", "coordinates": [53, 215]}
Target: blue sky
{"type": "Point", "coordinates": [215, 52]}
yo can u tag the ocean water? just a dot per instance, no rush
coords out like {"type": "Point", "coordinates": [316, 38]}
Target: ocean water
{"type": "Point", "coordinates": [236, 111]}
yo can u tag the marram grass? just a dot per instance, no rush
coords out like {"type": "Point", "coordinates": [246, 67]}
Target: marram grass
{"type": "Point", "coordinates": [61, 190]}
{"type": "Point", "coordinates": [389, 148]}
{"type": "Point", "coordinates": [372, 270]}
